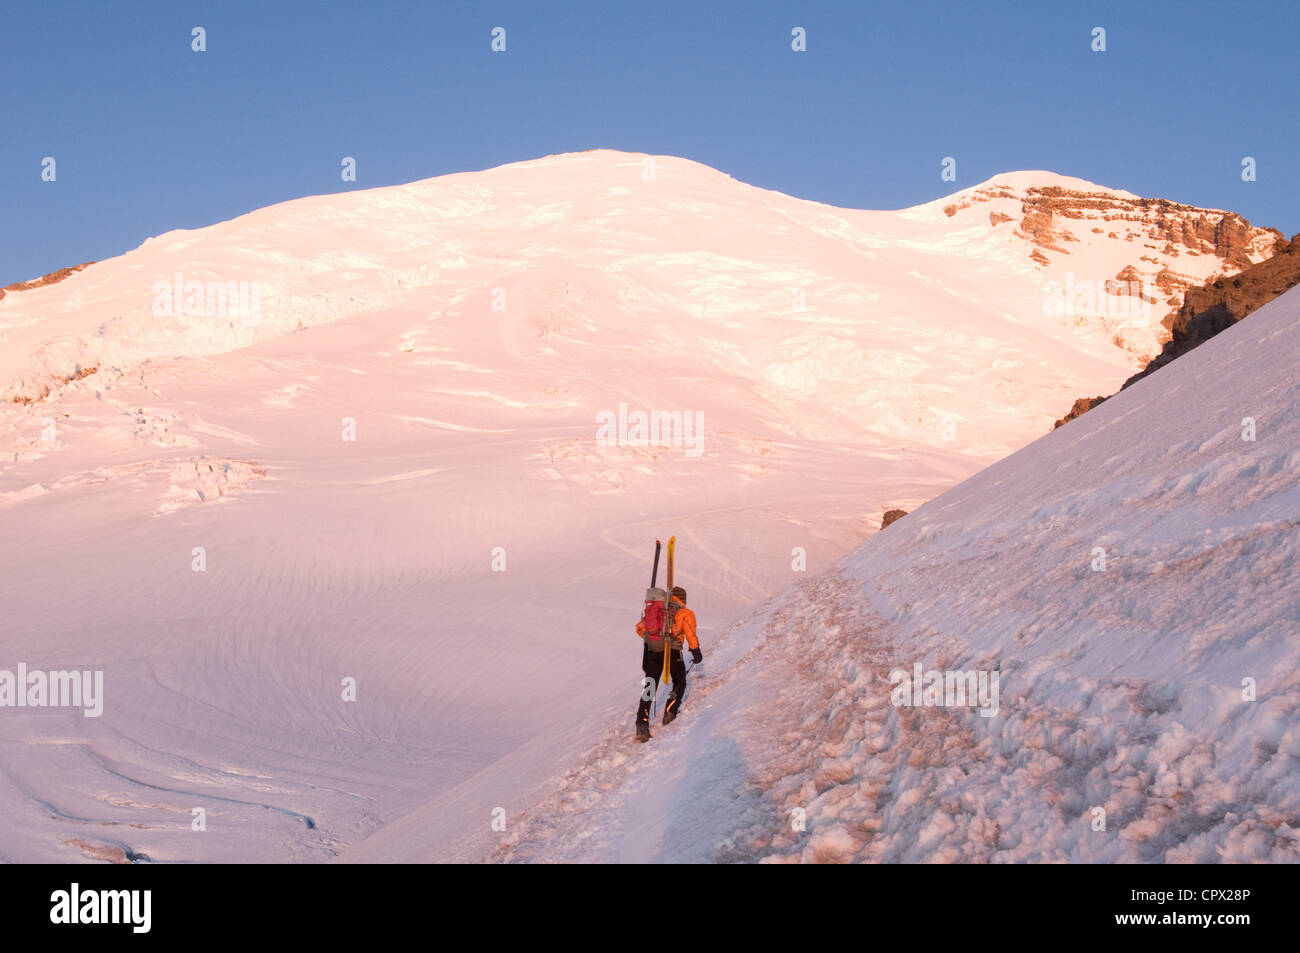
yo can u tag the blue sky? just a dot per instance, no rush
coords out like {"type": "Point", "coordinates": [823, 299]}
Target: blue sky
{"type": "Point", "coordinates": [149, 135]}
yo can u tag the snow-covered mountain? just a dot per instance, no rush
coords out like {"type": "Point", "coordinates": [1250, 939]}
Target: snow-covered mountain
{"type": "Point", "coordinates": [1151, 250]}
{"type": "Point", "coordinates": [1131, 580]}
{"type": "Point", "coordinates": [359, 437]}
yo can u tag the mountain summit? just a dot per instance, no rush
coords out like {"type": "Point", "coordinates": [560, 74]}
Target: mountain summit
{"type": "Point", "coordinates": [693, 240]}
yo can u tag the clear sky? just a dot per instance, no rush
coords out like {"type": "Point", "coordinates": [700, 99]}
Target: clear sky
{"type": "Point", "coordinates": [149, 135]}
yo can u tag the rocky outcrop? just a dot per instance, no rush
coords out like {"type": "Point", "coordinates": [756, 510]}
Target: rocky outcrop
{"type": "Point", "coordinates": [1177, 228]}
{"type": "Point", "coordinates": [1221, 303]}
{"type": "Point", "coordinates": [52, 278]}
{"type": "Point", "coordinates": [1164, 248]}
{"type": "Point", "coordinates": [1214, 307]}
{"type": "Point", "coordinates": [891, 516]}
{"type": "Point", "coordinates": [1081, 407]}
{"type": "Point", "coordinates": [1047, 214]}
{"type": "Point", "coordinates": [1226, 235]}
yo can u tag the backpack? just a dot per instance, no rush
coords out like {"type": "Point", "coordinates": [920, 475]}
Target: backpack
{"type": "Point", "coordinates": [652, 618]}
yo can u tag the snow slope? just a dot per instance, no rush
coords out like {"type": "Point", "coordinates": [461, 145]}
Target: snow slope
{"type": "Point", "coordinates": [180, 506]}
{"type": "Point", "coordinates": [1121, 684]}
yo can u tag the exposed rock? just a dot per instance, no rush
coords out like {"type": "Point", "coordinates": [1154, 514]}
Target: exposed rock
{"type": "Point", "coordinates": [44, 390]}
{"type": "Point", "coordinates": [1223, 302]}
{"type": "Point", "coordinates": [1037, 226]}
{"type": "Point", "coordinates": [1214, 307]}
{"type": "Point", "coordinates": [1081, 407]}
{"type": "Point", "coordinates": [891, 516]}
{"type": "Point", "coordinates": [1045, 211]}
{"type": "Point", "coordinates": [1173, 284]}
{"type": "Point", "coordinates": [52, 278]}
{"type": "Point", "coordinates": [1173, 246]}
{"type": "Point", "coordinates": [1224, 234]}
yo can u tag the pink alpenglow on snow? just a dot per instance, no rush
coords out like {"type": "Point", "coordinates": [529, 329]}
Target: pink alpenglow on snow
{"type": "Point", "coordinates": [339, 522]}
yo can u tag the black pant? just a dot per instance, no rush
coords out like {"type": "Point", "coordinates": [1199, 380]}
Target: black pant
{"type": "Point", "coordinates": [652, 663]}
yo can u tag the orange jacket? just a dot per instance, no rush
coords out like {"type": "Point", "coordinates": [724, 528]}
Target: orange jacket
{"type": "Point", "coordinates": [683, 625]}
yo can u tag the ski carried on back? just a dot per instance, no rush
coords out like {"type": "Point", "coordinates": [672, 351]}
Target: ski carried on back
{"type": "Point", "coordinates": [666, 627]}
{"type": "Point", "coordinates": [652, 621]}
{"type": "Point", "coordinates": [668, 608]}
